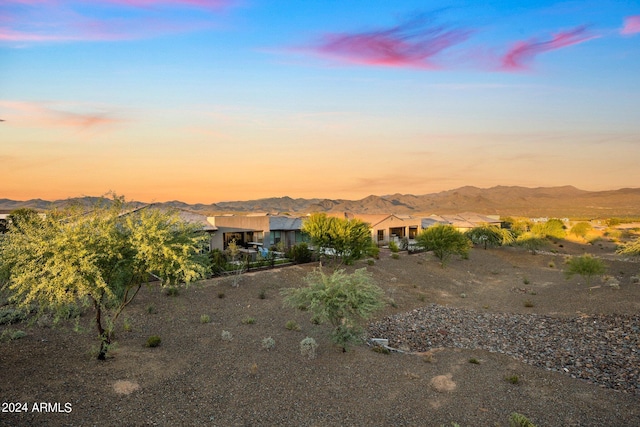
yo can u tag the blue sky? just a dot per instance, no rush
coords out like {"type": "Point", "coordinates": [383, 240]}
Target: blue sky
{"type": "Point", "coordinates": [206, 101]}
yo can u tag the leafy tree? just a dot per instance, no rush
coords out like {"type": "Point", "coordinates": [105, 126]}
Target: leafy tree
{"type": "Point", "coordinates": [553, 228]}
{"type": "Point", "coordinates": [342, 238]}
{"type": "Point", "coordinates": [101, 257]}
{"type": "Point", "coordinates": [581, 229]}
{"type": "Point", "coordinates": [490, 235]}
{"type": "Point", "coordinates": [341, 299]}
{"type": "Point", "coordinates": [444, 241]}
{"type": "Point", "coordinates": [586, 266]}
{"type": "Point", "coordinates": [517, 226]}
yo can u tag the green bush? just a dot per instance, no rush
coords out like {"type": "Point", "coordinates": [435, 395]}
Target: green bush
{"type": "Point", "coordinates": [292, 325]}
{"type": "Point", "coordinates": [393, 246]}
{"type": "Point", "coordinates": [519, 420]}
{"type": "Point", "coordinates": [444, 241]}
{"type": "Point", "coordinates": [248, 320]}
{"type": "Point", "coordinates": [11, 335]}
{"type": "Point", "coordinates": [153, 341]}
{"type": "Point", "coordinates": [205, 318]}
{"type": "Point", "coordinates": [586, 266]}
{"type": "Point", "coordinates": [300, 253]}
{"type": "Point", "coordinates": [341, 299]}
{"type": "Point", "coordinates": [9, 315]}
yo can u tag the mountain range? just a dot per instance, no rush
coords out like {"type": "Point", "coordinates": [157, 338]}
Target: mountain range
{"type": "Point", "coordinates": [565, 201]}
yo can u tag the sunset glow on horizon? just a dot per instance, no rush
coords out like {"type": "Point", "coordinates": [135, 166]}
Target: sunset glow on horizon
{"type": "Point", "coordinates": [207, 101]}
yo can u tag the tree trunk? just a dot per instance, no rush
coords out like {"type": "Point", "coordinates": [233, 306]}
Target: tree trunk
{"type": "Point", "coordinates": [105, 340]}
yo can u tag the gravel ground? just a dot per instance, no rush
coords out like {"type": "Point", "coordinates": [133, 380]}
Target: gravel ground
{"type": "Point", "coordinates": [196, 378]}
{"type": "Point", "coordinates": [602, 349]}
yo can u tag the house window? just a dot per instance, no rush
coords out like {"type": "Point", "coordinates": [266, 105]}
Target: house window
{"type": "Point", "coordinates": [380, 235]}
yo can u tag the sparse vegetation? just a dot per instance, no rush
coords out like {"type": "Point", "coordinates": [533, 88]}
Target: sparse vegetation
{"type": "Point", "coordinates": [153, 341]}
{"type": "Point", "coordinates": [205, 318]}
{"type": "Point", "coordinates": [262, 294]}
{"type": "Point", "coordinates": [308, 348]}
{"type": "Point", "coordinates": [226, 336]}
{"type": "Point", "coordinates": [248, 320]}
{"type": "Point", "coordinates": [395, 256]}
{"type": "Point", "coordinates": [268, 343]}
{"type": "Point", "coordinates": [292, 325]}
{"type": "Point", "coordinates": [586, 266]}
{"type": "Point", "coordinates": [513, 379]}
{"type": "Point", "coordinates": [581, 229]}
{"type": "Point", "coordinates": [528, 304]}
{"type": "Point", "coordinates": [474, 361]}
{"type": "Point", "coordinates": [11, 335]}
{"type": "Point", "coordinates": [519, 420]}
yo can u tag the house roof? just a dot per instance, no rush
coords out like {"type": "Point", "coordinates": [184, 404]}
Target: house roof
{"type": "Point", "coordinates": [285, 223]}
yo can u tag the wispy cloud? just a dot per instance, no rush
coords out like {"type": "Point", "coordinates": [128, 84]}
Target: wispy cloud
{"type": "Point", "coordinates": [413, 44]}
{"type": "Point", "coordinates": [36, 21]}
{"type": "Point", "coordinates": [37, 114]}
{"type": "Point", "coordinates": [523, 52]}
{"type": "Point", "coordinates": [631, 25]}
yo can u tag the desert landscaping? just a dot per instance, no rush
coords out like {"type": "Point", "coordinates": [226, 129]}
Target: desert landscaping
{"type": "Point", "coordinates": [485, 337]}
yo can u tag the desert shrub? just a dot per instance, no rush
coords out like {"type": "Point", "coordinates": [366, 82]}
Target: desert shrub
{"type": "Point", "coordinates": [632, 248]}
{"type": "Point", "coordinates": [151, 309]}
{"type": "Point", "coordinates": [371, 262]}
{"type": "Point", "coordinates": [393, 246]}
{"type": "Point", "coordinates": [226, 336]}
{"type": "Point", "coordinates": [205, 318]}
{"type": "Point", "coordinates": [586, 266]}
{"type": "Point", "coordinates": [531, 242]}
{"type": "Point", "coordinates": [308, 348]}
{"type": "Point", "coordinates": [341, 299]}
{"type": "Point", "coordinates": [395, 256]}
{"type": "Point", "coordinates": [153, 341]}
{"type": "Point", "coordinates": [126, 325]}
{"type": "Point", "coordinates": [581, 229]}
{"type": "Point", "coordinates": [11, 335]}
{"type": "Point", "coordinates": [172, 291]}
{"type": "Point", "coordinates": [444, 241]}
{"type": "Point", "coordinates": [218, 260]}
{"type": "Point", "coordinates": [373, 250]}
{"type": "Point", "coordinates": [248, 320]}
{"type": "Point", "coordinates": [300, 253]}
{"type": "Point", "coordinates": [528, 304]}
{"type": "Point", "coordinates": [221, 294]}
{"type": "Point", "coordinates": [292, 325]}
{"type": "Point", "coordinates": [9, 315]}
{"type": "Point", "coordinates": [262, 294]}
{"type": "Point", "coordinates": [474, 361]}
{"type": "Point", "coordinates": [380, 349]}
{"type": "Point", "coordinates": [268, 343]}
{"type": "Point", "coordinates": [519, 420]}
{"type": "Point", "coordinates": [513, 379]}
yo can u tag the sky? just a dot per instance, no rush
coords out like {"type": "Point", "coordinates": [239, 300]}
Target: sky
{"type": "Point", "coordinates": [215, 100]}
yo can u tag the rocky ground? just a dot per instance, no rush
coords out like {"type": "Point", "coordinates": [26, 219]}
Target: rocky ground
{"type": "Point", "coordinates": [546, 347]}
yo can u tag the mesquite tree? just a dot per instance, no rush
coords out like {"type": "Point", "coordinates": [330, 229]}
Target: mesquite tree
{"type": "Point", "coordinates": [100, 257]}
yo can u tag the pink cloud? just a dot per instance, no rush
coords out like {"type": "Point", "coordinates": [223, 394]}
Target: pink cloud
{"type": "Point", "coordinates": [34, 21]}
{"type": "Point", "coordinates": [523, 52]}
{"type": "Point", "coordinates": [413, 44]}
{"type": "Point", "coordinates": [631, 25]}
{"type": "Point", "coordinates": [38, 114]}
